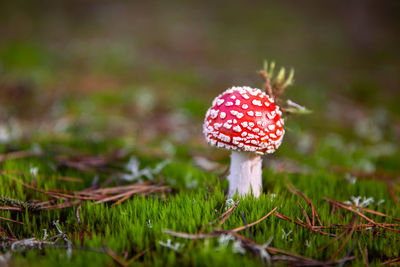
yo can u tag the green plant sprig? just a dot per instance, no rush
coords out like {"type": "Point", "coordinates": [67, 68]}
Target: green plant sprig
{"type": "Point", "coordinates": [275, 86]}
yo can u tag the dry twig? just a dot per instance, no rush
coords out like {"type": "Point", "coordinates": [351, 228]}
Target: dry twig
{"type": "Point", "coordinates": [254, 223]}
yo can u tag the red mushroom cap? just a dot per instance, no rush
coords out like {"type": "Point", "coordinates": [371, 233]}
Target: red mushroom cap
{"type": "Point", "coordinates": [244, 119]}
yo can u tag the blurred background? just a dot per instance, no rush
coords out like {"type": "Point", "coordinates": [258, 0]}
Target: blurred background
{"type": "Point", "coordinates": [140, 75]}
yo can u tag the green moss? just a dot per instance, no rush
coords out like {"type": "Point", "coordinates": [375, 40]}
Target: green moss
{"type": "Point", "coordinates": [138, 223]}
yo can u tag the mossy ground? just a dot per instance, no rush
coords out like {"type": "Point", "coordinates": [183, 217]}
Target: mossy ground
{"type": "Point", "coordinates": [74, 84]}
{"type": "Point", "coordinates": [138, 224]}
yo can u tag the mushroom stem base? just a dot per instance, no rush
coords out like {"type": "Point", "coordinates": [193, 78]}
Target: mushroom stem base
{"type": "Point", "coordinates": [245, 174]}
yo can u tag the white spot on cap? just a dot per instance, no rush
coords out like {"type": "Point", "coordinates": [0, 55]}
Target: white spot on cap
{"type": "Point", "coordinates": [228, 104]}
{"type": "Point", "coordinates": [252, 136]}
{"type": "Point", "coordinates": [245, 96]}
{"type": "Point", "coordinates": [224, 137]}
{"type": "Point", "coordinates": [256, 130]}
{"type": "Point", "coordinates": [250, 113]}
{"type": "Point", "coordinates": [271, 127]}
{"type": "Point", "coordinates": [214, 113]}
{"type": "Point", "coordinates": [271, 115]}
{"type": "Point", "coordinates": [234, 112]}
{"type": "Point", "coordinates": [237, 102]}
{"type": "Point", "coordinates": [244, 106]}
{"type": "Point", "coordinates": [227, 125]}
{"type": "Point", "coordinates": [251, 124]}
{"type": "Point", "coordinates": [222, 115]}
{"type": "Point", "coordinates": [254, 142]}
{"type": "Point", "coordinates": [256, 102]}
{"type": "Point", "coordinates": [236, 140]}
{"type": "Point", "coordinates": [217, 125]}
{"type": "Point", "coordinates": [279, 132]}
{"type": "Point", "coordinates": [237, 129]}
{"type": "Point", "coordinates": [258, 114]}
{"type": "Point", "coordinates": [233, 97]}
{"type": "Point", "coordinates": [254, 92]}
{"type": "Point", "coordinates": [239, 115]}
{"type": "Point", "coordinates": [244, 124]}
{"type": "Point", "coordinates": [234, 121]}
{"type": "Point", "coordinates": [272, 135]}
{"type": "Point", "coordinates": [220, 101]}
{"type": "Point", "coordinates": [267, 104]}
{"type": "Point", "coordinates": [244, 134]}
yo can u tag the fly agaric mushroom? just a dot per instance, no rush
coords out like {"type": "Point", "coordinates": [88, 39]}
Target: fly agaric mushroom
{"type": "Point", "coordinates": [248, 122]}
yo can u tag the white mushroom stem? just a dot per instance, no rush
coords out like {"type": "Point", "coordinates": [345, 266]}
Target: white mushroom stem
{"type": "Point", "coordinates": [245, 174]}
